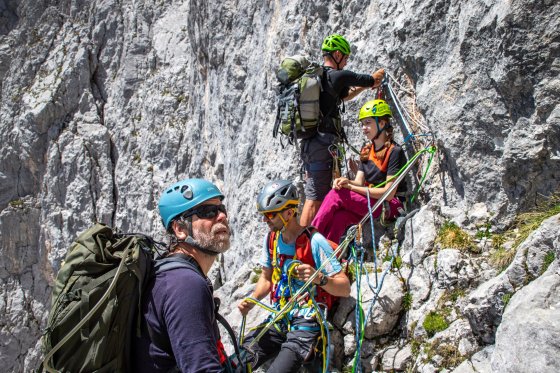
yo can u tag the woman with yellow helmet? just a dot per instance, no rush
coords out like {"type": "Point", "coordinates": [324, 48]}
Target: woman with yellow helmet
{"type": "Point", "coordinates": [380, 159]}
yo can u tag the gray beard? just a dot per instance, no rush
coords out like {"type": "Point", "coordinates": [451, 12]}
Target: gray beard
{"type": "Point", "coordinates": [211, 242]}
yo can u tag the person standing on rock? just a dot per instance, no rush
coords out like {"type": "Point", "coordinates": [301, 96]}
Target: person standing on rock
{"type": "Point", "coordinates": [381, 159]}
{"type": "Point", "coordinates": [290, 255]}
{"type": "Point", "coordinates": [337, 85]}
{"type": "Point", "coordinates": [179, 324]}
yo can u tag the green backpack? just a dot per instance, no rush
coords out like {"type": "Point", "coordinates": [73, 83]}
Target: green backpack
{"type": "Point", "coordinates": [96, 302]}
{"type": "Point", "coordinates": [298, 112]}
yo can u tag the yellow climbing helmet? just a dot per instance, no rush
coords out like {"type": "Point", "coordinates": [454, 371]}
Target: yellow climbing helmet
{"type": "Point", "coordinates": [375, 108]}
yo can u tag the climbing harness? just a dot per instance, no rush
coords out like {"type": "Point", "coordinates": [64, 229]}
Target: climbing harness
{"type": "Point", "coordinates": [320, 313]}
{"type": "Point", "coordinates": [317, 301]}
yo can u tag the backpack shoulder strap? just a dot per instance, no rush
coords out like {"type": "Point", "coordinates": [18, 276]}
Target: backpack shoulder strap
{"type": "Point", "coordinates": [166, 343]}
{"type": "Point", "coordinates": [271, 244]}
{"type": "Point", "coordinates": [381, 164]}
{"type": "Point", "coordinates": [161, 266]}
{"type": "Point", "coordinates": [270, 241]}
{"type": "Point", "coordinates": [222, 320]}
{"type": "Point", "coordinates": [328, 83]}
{"type": "Point", "coordinates": [303, 246]}
{"type": "Point", "coordinates": [177, 261]}
{"type": "Point", "coordinates": [311, 230]}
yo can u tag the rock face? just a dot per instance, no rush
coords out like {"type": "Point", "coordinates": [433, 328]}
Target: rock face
{"type": "Point", "coordinates": [383, 313]}
{"type": "Point", "coordinates": [486, 303]}
{"type": "Point", "coordinates": [532, 321]}
{"type": "Point", "coordinates": [103, 103]}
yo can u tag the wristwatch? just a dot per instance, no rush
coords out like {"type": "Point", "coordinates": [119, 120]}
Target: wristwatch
{"type": "Point", "coordinates": [324, 280]}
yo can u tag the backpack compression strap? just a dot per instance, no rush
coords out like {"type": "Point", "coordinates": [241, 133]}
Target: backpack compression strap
{"type": "Point", "coordinates": [120, 269]}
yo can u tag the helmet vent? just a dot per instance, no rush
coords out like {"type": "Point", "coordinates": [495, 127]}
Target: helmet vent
{"type": "Point", "coordinates": [187, 192]}
{"type": "Point", "coordinates": [269, 200]}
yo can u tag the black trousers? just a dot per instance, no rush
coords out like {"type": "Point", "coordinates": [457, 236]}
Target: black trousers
{"type": "Point", "coordinates": [291, 348]}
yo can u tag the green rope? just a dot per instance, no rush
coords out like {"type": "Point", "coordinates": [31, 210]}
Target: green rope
{"type": "Point", "coordinates": [432, 150]}
{"type": "Point", "coordinates": [412, 160]}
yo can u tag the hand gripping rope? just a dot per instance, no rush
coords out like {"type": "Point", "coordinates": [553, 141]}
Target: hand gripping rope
{"type": "Point", "coordinates": [320, 313]}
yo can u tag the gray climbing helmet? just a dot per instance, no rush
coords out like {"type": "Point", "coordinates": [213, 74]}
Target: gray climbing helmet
{"type": "Point", "coordinates": [277, 196]}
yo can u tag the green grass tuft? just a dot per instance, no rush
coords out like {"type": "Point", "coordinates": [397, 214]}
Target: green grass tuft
{"type": "Point", "coordinates": [451, 296]}
{"type": "Point", "coordinates": [528, 222]}
{"type": "Point", "coordinates": [484, 231]}
{"type": "Point", "coordinates": [502, 258]}
{"type": "Point", "coordinates": [434, 322]}
{"type": "Point", "coordinates": [397, 263]}
{"type": "Point", "coordinates": [451, 236]}
{"type": "Point", "coordinates": [548, 259]}
{"type": "Point", "coordinates": [506, 298]}
{"type": "Point", "coordinates": [450, 354]}
{"type": "Point", "coordinates": [415, 345]}
{"type": "Point", "coordinates": [16, 203]}
{"type": "Point", "coordinates": [407, 301]}
{"type": "Point", "coordinates": [522, 227]}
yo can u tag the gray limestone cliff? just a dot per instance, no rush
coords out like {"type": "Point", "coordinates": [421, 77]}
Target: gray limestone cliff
{"type": "Point", "coordinates": [105, 102]}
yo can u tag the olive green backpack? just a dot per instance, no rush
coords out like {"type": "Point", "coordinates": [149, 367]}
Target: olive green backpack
{"type": "Point", "coordinates": [298, 113]}
{"type": "Point", "coordinates": [96, 301]}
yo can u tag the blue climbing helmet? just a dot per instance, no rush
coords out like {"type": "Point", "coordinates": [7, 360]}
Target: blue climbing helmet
{"type": "Point", "coordinates": [183, 196]}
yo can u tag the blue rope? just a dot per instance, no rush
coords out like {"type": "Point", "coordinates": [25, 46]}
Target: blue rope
{"type": "Point", "coordinates": [410, 136]}
{"type": "Point", "coordinates": [380, 285]}
{"type": "Point", "coordinates": [413, 136]}
{"type": "Point", "coordinates": [357, 366]}
{"type": "Point", "coordinates": [376, 289]}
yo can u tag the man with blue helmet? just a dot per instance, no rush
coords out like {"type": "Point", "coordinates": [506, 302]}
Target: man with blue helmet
{"type": "Point", "coordinates": [179, 327]}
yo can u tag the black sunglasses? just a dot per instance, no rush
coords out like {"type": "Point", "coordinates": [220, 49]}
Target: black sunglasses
{"type": "Point", "coordinates": [206, 211]}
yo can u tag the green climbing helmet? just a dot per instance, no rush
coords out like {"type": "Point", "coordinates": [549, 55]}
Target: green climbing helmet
{"type": "Point", "coordinates": [375, 108]}
{"type": "Point", "coordinates": [336, 42]}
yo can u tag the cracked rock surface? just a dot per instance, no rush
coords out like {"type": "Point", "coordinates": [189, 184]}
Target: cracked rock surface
{"type": "Point", "coordinates": [103, 103]}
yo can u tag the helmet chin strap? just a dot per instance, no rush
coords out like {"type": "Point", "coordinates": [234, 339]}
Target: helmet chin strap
{"type": "Point", "coordinates": [192, 242]}
{"type": "Point", "coordinates": [379, 129]}
{"type": "Point", "coordinates": [330, 54]}
{"type": "Point", "coordinates": [285, 222]}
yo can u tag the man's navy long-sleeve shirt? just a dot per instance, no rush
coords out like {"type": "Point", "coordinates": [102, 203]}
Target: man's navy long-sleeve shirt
{"type": "Point", "coordinates": [179, 307]}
